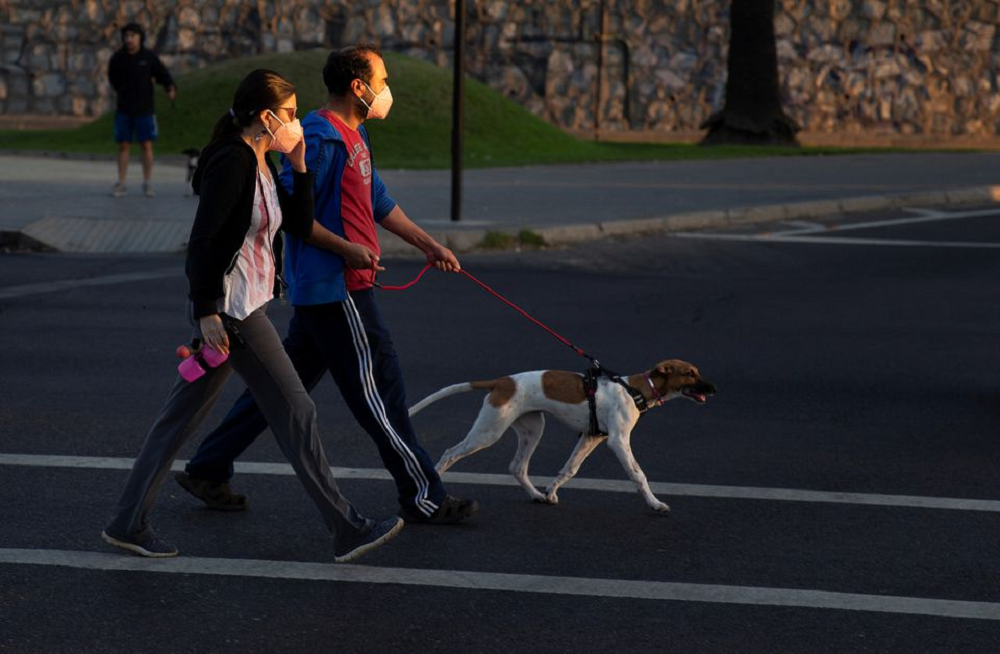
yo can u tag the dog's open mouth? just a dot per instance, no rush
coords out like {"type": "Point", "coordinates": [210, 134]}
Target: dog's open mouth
{"type": "Point", "coordinates": [700, 398]}
{"type": "Point", "coordinates": [699, 392]}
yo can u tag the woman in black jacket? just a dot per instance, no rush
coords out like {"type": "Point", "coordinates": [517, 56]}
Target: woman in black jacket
{"type": "Point", "coordinates": [233, 264]}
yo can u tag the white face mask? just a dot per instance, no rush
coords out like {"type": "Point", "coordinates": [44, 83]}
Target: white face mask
{"type": "Point", "coordinates": [381, 103]}
{"type": "Point", "coordinates": [286, 137]}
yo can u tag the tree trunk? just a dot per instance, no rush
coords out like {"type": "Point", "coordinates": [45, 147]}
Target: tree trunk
{"type": "Point", "coordinates": [752, 113]}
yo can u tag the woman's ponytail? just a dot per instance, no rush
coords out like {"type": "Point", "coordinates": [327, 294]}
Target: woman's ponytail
{"type": "Point", "coordinates": [225, 127]}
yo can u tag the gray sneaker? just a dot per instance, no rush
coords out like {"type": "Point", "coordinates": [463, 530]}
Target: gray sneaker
{"type": "Point", "coordinates": [150, 546]}
{"type": "Point", "coordinates": [118, 190]}
{"type": "Point", "coordinates": [147, 190]}
{"type": "Point", "coordinates": [375, 534]}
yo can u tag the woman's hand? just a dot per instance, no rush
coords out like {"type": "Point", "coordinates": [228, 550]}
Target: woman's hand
{"type": "Point", "coordinates": [213, 333]}
{"type": "Point", "coordinates": [297, 157]}
{"type": "Point", "coordinates": [359, 257]}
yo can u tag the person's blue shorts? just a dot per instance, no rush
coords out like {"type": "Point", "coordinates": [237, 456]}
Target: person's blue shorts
{"type": "Point", "coordinates": [130, 129]}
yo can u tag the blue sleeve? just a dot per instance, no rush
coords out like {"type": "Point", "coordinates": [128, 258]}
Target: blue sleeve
{"type": "Point", "coordinates": [382, 202]}
{"type": "Point", "coordinates": [287, 180]}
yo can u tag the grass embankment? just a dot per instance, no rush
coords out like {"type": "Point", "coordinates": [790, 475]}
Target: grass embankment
{"type": "Point", "coordinates": [498, 131]}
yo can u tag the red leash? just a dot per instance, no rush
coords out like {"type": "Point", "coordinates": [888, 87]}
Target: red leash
{"type": "Point", "coordinates": [598, 369]}
{"type": "Point", "coordinates": [502, 299]}
{"type": "Point", "coordinates": [406, 286]}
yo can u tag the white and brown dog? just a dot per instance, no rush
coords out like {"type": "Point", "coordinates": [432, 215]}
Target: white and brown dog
{"type": "Point", "coordinates": [522, 400]}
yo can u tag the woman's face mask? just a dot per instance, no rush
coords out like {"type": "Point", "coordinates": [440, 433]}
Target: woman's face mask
{"type": "Point", "coordinates": [286, 137]}
{"type": "Point", "coordinates": [381, 103]}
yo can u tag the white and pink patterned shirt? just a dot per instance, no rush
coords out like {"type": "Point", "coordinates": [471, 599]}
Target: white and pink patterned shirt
{"type": "Point", "coordinates": [250, 284]}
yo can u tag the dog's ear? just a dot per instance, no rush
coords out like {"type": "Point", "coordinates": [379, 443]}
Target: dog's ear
{"type": "Point", "coordinates": [666, 371]}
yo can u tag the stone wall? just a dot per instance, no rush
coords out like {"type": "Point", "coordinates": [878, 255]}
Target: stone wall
{"type": "Point", "coordinates": [847, 66]}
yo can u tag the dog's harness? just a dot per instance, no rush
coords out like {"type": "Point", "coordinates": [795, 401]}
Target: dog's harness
{"type": "Point", "coordinates": [590, 390]}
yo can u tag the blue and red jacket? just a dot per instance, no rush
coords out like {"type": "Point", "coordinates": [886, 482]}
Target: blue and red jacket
{"type": "Point", "coordinates": [315, 275]}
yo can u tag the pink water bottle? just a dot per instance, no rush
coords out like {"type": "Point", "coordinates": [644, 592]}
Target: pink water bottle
{"type": "Point", "coordinates": [198, 360]}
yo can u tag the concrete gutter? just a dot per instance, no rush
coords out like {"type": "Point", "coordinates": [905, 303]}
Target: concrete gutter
{"type": "Point", "coordinates": [471, 240]}
{"type": "Point", "coordinates": [34, 236]}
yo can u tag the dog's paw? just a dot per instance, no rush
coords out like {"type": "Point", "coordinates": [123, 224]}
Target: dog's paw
{"type": "Point", "coordinates": [536, 496]}
{"type": "Point", "coordinates": [660, 507]}
{"type": "Point", "coordinates": [550, 498]}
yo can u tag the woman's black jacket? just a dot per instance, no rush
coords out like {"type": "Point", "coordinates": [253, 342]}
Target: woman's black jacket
{"type": "Point", "coordinates": [225, 180]}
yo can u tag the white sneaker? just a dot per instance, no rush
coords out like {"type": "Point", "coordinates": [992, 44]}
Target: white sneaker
{"type": "Point", "coordinates": [118, 190]}
{"type": "Point", "coordinates": [147, 190]}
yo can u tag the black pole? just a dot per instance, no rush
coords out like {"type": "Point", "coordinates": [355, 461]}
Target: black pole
{"type": "Point", "coordinates": [458, 109]}
{"type": "Point", "coordinates": [600, 38]}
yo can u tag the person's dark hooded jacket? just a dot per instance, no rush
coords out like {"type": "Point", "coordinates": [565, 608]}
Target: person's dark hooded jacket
{"type": "Point", "coordinates": [225, 181]}
{"type": "Point", "coordinates": [132, 75]}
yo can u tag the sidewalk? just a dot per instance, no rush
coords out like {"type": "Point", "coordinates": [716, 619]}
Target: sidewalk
{"type": "Point", "coordinates": [64, 204]}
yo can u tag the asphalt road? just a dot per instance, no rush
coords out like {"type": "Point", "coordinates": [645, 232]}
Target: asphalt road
{"type": "Point", "coordinates": [857, 366]}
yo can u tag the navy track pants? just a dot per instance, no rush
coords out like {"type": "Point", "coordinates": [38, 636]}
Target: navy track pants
{"type": "Point", "coordinates": [349, 340]}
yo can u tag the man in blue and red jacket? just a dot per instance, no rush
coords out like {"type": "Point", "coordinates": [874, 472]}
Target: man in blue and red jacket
{"type": "Point", "coordinates": [337, 326]}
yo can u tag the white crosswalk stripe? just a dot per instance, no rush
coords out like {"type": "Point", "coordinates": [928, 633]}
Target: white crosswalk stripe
{"type": "Point", "coordinates": [520, 583]}
{"type": "Point", "coordinates": [579, 483]}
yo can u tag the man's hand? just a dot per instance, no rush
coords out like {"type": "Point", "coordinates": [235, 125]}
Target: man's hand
{"type": "Point", "coordinates": [359, 257]}
{"type": "Point", "coordinates": [442, 258]}
{"type": "Point", "coordinates": [437, 255]}
{"type": "Point", "coordinates": [172, 93]}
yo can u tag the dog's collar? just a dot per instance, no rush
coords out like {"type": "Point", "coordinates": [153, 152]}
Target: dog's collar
{"type": "Point", "coordinates": [658, 400]}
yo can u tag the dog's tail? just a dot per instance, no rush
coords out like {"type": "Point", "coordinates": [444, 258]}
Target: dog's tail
{"type": "Point", "coordinates": [454, 389]}
{"type": "Point", "coordinates": [447, 391]}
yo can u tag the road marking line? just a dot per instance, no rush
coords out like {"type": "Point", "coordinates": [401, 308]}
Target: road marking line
{"type": "Point", "coordinates": [802, 226]}
{"type": "Point", "coordinates": [67, 284]}
{"type": "Point", "coordinates": [895, 222]}
{"type": "Point", "coordinates": [834, 240]}
{"type": "Point", "coordinates": [506, 582]}
{"type": "Point", "coordinates": [926, 212]}
{"type": "Point", "coordinates": [835, 189]}
{"type": "Point", "coordinates": [578, 483]}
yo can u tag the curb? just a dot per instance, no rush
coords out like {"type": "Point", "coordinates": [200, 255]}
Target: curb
{"type": "Point", "coordinates": [470, 240]}
{"type": "Point", "coordinates": [466, 241]}
{"type": "Point", "coordinates": [165, 158]}
{"type": "Point", "coordinates": [15, 241]}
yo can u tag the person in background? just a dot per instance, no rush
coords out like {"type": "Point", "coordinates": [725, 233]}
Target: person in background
{"type": "Point", "coordinates": [132, 71]}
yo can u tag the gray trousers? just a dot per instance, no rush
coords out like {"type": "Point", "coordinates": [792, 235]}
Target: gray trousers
{"type": "Point", "coordinates": [265, 368]}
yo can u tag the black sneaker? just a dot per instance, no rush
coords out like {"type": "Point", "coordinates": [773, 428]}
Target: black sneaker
{"type": "Point", "coordinates": [374, 535]}
{"type": "Point", "coordinates": [150, 546]}
{"type": "Point", "coordinates": [213, 493]}
{"type": "Point", "coordinates": [452, 510]}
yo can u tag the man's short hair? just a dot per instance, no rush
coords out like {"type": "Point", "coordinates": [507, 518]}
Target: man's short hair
{"type": "Point", "coordinates": [347, 64]}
